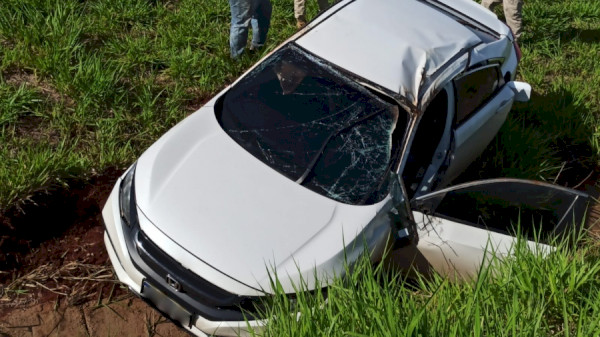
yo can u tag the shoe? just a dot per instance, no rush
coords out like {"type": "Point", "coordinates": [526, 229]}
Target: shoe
{"type": "Point", "coordinates": [300, 23]}
{"type": "Point", "coordinates": [254, 49]}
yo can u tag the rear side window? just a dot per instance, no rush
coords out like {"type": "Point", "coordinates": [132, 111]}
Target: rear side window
{"type": "Point", "coordinates": [474, 89]}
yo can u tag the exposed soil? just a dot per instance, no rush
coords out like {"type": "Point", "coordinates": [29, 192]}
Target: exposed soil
{"type": "Point", "coordinates": [61, 225]}
{"type": "Point", "coordinates": [55, 275]}
{"type": "Point", "coordinates": [121, 317]}
{"type": "Point", "coordinates": [17, 77]}
{"type": "Point", "coordinates": [53, 240]}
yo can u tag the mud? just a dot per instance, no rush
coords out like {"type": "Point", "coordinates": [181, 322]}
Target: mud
{"type": "Point", "coordinates": [52, 240]}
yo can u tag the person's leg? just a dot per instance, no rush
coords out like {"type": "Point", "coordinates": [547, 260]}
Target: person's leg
{"type": "Point", "coordinates": [323, 4]}
{"type": "Point", "coordinates": [262, 16]}
{"type": "Point", "coordinates": [255, 30]}
{"type": "Point", "coordinates": [240, 21]}
{"type": "Point", "coordinates": [490, 4]}
{"type": "Point", "coordinates": [513, 10]}
{"type": "Point", "coordinates": [300, 13]}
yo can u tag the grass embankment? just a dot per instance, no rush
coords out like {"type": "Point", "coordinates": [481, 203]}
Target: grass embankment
{"type": "Point", "coordinates": [528, 295]}
{"type": "Point", "coordinates": [555, 136]}
{"type": "Point", "coordinates": [89, 85]}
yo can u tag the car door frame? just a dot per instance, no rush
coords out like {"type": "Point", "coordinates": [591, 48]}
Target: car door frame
{"type": "Point", "coordinates": [439, 161]}
{"type": "Point", "coordinates": [451, 244]}
{"type": "Point", "coordinates": [473, 134]}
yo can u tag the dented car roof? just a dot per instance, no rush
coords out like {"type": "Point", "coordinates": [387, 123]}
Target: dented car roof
{"type": "Point", "coordinates": [407, 44]}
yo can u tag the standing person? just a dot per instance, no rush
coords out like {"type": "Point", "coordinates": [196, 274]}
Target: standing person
{"type": "Point", "coordinates": [513, 10]}
{"type": "Point", "coordinates": [243, 14]}
{"type": "Point", "coordinates": [300, 11]}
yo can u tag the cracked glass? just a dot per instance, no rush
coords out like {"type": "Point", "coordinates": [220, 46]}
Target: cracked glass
{"type": "Point", "coordinates": [316, 126]}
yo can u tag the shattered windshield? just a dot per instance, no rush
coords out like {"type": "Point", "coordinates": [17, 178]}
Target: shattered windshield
{"type": "Point", "coordinates": [315, 126]}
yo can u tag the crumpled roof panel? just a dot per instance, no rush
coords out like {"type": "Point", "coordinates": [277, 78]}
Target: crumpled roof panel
{"type": "Point", "coordinates": [393, 43]}
{"type": "Point", "coordinates": [473, 10]}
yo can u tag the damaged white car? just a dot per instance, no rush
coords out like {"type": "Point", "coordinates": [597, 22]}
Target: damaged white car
{"type": "Point", "coordinates": [346, 134]}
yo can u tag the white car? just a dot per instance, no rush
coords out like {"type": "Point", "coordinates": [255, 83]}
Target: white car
{"type": "Point", "coordinates": [345, 134]}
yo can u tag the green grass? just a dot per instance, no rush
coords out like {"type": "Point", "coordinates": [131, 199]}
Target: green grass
{"type": "Point", "coordinates": [555, 136]}
{"type": "Point", "coordinates": [526, 295]}
{"type": "Point", "coordinates": [88, 85]}
{"type": "Point", "coordinates": [85, 86]}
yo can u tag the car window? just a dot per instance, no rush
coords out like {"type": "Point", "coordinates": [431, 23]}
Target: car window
{"type": "Point", "coordinates": [473, 89]}
{"type": "Point", "coordinates": [505, 205]}
{"type": "Point", "coordinates": [314, 125]}
{"type": "Point", "coordinates": [427, 137]}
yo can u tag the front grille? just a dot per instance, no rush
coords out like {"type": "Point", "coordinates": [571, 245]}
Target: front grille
{"type": "Point", "coordinates": [192, 292]}
{"type": "Point", "coordinates": [193, 285]}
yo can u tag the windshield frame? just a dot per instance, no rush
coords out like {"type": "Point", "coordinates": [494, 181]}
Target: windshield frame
{"type": "Point", "coordinates": [401, 126]}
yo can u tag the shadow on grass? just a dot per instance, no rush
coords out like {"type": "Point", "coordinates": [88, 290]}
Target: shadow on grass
{"type": "Point", "coordinates": [583, 35]}
{"type": "Point", "coordinates": [546, 138]}
{"type": "Point", "coordinates": [557, 28]}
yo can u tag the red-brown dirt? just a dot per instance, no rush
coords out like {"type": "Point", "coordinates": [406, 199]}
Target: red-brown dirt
{"type": "Point", "coordinates": [55, 276]}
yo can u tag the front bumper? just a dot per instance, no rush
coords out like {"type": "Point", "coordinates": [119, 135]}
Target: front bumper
{"type": "Point", "coordinates": [133, 272]}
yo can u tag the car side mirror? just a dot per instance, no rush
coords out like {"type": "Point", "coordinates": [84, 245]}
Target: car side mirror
{"type": "Point", "coordinates": [403, 225]}
{"type": "Point", "coordinates": [522, 90]}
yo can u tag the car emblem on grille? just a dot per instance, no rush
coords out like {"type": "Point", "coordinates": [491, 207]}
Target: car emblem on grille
{"type": "Point", "coordinates": [173, 283]}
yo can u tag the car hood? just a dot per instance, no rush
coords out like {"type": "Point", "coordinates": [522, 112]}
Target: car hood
{"type": "Point", "coordinates": [228, 209]}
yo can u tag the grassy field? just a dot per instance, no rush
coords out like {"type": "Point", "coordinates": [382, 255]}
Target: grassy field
{"type": "Point", "coordinates": [87, 85]}
{"type": "Point", "coordinates": [555, 136]}
{"type": "Point", "coordinates": [528, 295]}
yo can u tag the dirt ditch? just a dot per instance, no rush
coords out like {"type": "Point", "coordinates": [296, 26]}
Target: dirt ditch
{"type": "Point", "coordinates": [55, 275]}
{"type": "Point", "coordinates": [60, 225]}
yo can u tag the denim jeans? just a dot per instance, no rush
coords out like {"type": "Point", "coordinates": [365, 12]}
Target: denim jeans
{"type": "Point", "coordinates": [243, 14]}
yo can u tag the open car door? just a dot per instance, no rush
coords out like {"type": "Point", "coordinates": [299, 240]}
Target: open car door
{"type": "Point", "coordinates": [457, 225]}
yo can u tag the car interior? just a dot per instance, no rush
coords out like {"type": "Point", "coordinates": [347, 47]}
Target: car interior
{"type": "Point", "coordinates": [430, 140]}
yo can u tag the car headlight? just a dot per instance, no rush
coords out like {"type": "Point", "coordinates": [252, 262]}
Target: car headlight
{"type": "Point", "coordinates": [127, 198]}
